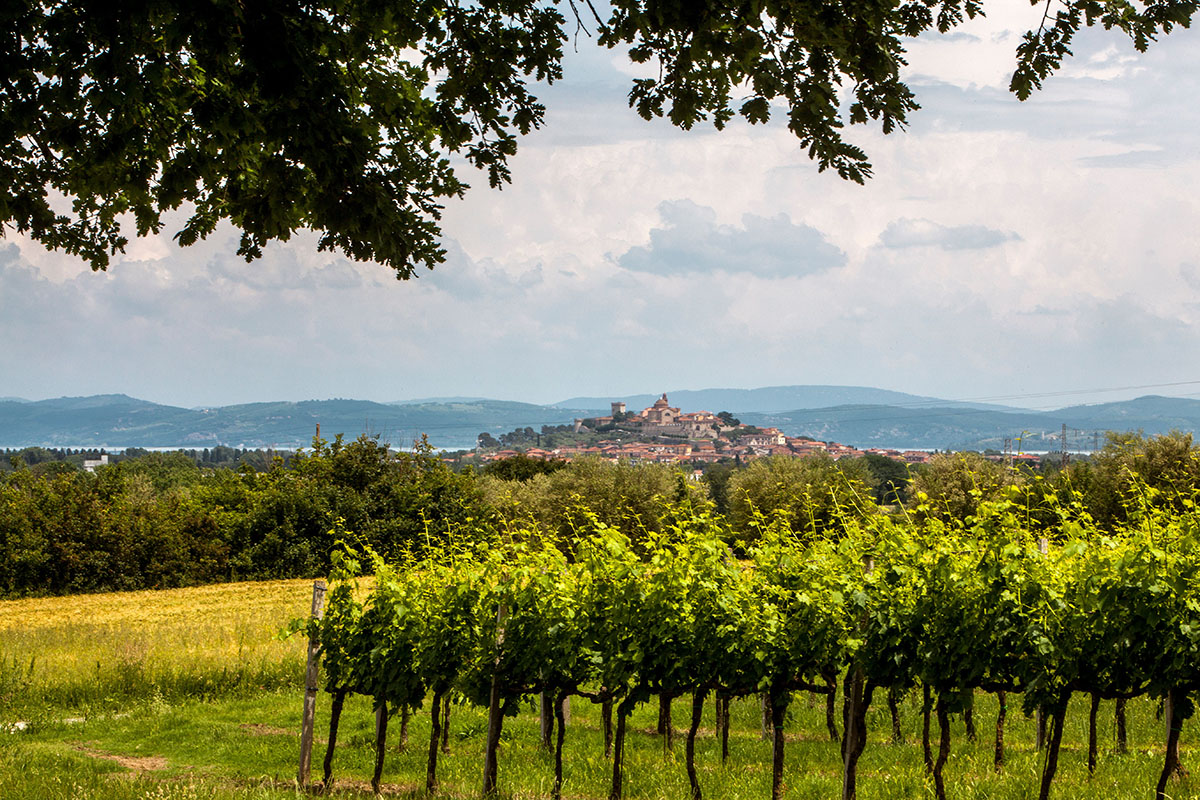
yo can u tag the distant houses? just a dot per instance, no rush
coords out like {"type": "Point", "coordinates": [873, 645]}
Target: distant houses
{"type": "Point", "coordinates": [665, 434]}
{"type": "Point", "coordinates": [660, 419]}
{"type": "Point", "coordinates": [90, 464]}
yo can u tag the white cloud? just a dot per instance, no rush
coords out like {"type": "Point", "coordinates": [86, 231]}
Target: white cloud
{"type": "Point", "coordinates": [906, 232]}
{"type": "Point", "coordinates": [691, 242]}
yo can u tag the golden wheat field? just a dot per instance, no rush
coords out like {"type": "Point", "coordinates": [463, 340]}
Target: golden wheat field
{"type": "Point", "coordinates": [195, 641]}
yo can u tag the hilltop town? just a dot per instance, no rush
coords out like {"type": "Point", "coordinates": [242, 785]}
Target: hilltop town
{"type": "Point", "coordinates": [662, 433]}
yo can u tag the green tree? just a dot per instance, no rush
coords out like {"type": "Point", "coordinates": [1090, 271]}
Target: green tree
{"type": "Point", "coordinates": [1166, 467]}
{"type": "Point", "coordinates": [521, 467]}
{"type": "Point", "coordinates": [634, 499]}
{"type": "Point", "coordinates": [816, 495]}
{"type": "Point", "coordinates": [953, 485]}
{"type": "Point", "coordinates": [396, 502]}
{"type": "Point", "coordinates": [716, 477]}
{"type": "Point", "coordinates": [891, 478]}
{"type": "Point", "coordinates": [340, 116]}
{"type": "Point", "coordinates": [162, 470]}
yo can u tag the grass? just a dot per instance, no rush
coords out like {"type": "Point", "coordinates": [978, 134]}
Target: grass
{"type": "Point", "coordinates": [195, 698]}
{"type": "Point", "coordinates": [91, 653]}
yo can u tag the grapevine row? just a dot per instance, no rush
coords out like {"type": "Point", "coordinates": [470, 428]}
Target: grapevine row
{"type": "Point", "coordinates": [891, 604]}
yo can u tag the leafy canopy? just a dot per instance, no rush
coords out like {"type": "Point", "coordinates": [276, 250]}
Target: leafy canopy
{"type": "Point", "coordinates": [340, 116]}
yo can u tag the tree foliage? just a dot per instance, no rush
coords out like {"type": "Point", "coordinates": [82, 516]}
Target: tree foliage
{"type": "Point", "coordinates": [953, 485]}
{"type": "Point", "coordinates": [341, 116]}
{"type": "Point", "coordinates": [159, 520]}
{"type": "Point", "coordinates": [522, 467]}
{"type": "Point", "coordinates": [816, 496]}
{"type": "Point", "coordinates": [1165, 467]}
{"type": "Point", "coordinates": [633, 499]}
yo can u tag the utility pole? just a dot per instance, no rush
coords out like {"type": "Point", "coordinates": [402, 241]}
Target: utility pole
{"type": "Point", "coordinates": [1064, 445]}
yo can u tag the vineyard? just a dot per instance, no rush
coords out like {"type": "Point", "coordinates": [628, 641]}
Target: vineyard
{"type": "Point", "coordinates": [812, 629]}
{"type": "Point", "coordinates": [1014, 599]}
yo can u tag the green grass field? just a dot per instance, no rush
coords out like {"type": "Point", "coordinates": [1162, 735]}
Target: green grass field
{"type": "Point", "coordinates": [190, 694]}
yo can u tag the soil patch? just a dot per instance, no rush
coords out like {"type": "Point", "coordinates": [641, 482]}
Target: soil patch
{"type": "Point", "coordinates": [135, 763]}
{"type": "Point", "coordinates": [259, 729]}
{"type": "Point", "coordinates": [354, 787]}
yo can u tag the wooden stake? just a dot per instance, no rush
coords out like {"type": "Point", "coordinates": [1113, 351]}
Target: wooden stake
{"type": "Point", "coordinates": [546, 712]}
{"type": "Point", "coordinates": [1002, 699]}
{"type": "Point", "coordinates": [311, 675]}
{"type": "Point", "coordinates": [764, 707]}
{"type": "Point", "coordinates": [381, 721]}
{"type": "Point", "coordinates": [495, 718]}
{"type": "Point", "coordinates": [1092, 744]}
{"type": "Point", "coordinates": [560, 715]}
{"type": "Point", "coordinates": [1040, 716]}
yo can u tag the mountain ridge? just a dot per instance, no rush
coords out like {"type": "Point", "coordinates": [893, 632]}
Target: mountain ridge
{"type": "Point", "coordinates": [966, 428]}
{"type": "Point", "coordinates": [118, 420]}
{"type": "Point", "coordinates": [770, 399]}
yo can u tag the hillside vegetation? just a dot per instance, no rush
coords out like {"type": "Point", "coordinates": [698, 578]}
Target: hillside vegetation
{"type": "Point", "coordinates": [161, 520]}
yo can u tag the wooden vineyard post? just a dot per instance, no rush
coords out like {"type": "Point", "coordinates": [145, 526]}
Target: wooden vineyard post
{"type": "Point", "coordinates": [1122, 733]}
{"type": "Point", "coordinates": [495, 719]}
{"type": "Point", "coordinates": [778, 704]}
{"type": "Point", "coordinates": [546, 718]}
{"type": "Point", "coordinates": [998, 759]}
{"type": "Point", "coordinates": [764, 707]}
{"type": "Point", "coordinates": [311, 688]}
{"type": "Point", "coordinates": [1043, 548]}
{"type": "Point", "coordinates": [1169, 713]}
{"type": "Point", "coordinates": [1092, 744]}
{"type": "Point", "coordinates": [381, 723]}
{"type": "Point", "coordinates": [606, 724]}
{"type": "Point", "coordinates": [854, 727]}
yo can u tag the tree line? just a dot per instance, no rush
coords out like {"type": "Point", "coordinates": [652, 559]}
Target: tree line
{"type": "Point", "coordinates": [67, 459]}
{"type": "Point", "coordinates": [169, 519]}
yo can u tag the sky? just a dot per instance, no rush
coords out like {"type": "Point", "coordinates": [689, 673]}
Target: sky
{"type": "Point", "coordinates": [1045, 252]}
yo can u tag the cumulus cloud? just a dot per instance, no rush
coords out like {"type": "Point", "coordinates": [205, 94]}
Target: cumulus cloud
{"type": "Point", "coordinates": [906, 232]}
{"type": "Point", "coordinates": [468, 278]}
{"type": "Point", "coordinates": [690, 241]}
{"type": "Point", "coordinates": [1191, 275]}
{"type": "Point", "coordinates": [1133, 159]}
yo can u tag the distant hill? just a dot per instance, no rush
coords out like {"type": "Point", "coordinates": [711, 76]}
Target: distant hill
{"type": "Point", "coordinates": [902, 427]}
{"type": "Point", "coordinates": [771, 399]}
{"type": "Point", "coordinates": [118, 421]}
{"type": "Point", "coordinates": [965, 428]}
{"type": "Point", "coordinates": [1154, 413]}
{"type": "Point", "coordinates": [426, 400]}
